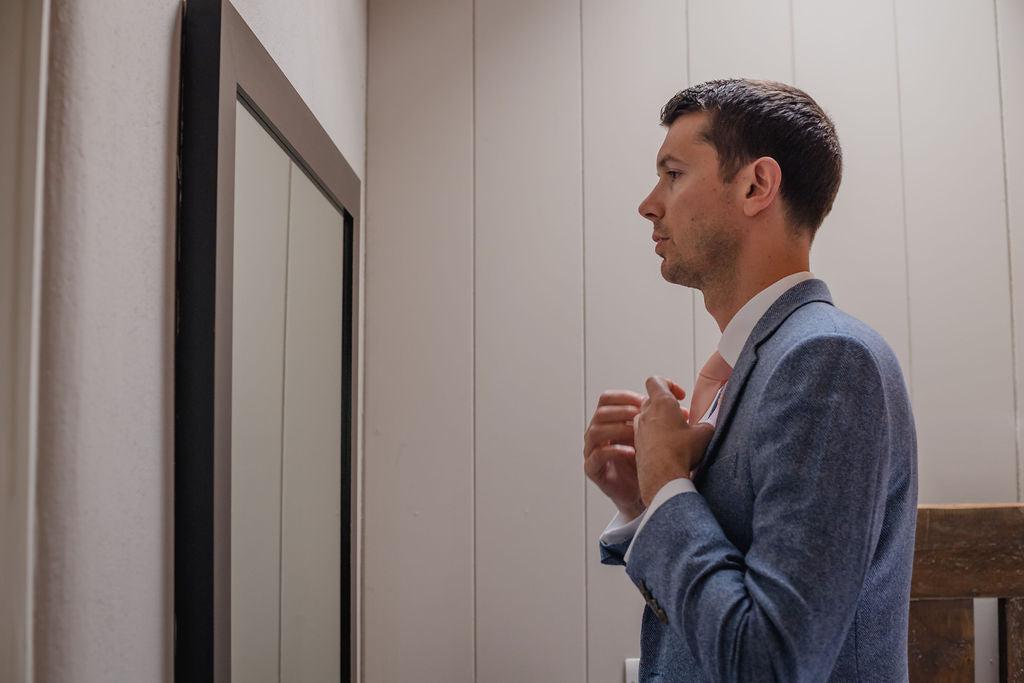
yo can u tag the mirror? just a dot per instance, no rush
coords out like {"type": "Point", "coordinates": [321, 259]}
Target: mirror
{"type": "Point", "coordinates": [286, 386]}
{"type": "Point", "coordinates": [264, 375]}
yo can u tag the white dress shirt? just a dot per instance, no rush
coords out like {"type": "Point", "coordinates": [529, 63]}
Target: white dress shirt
{"type": "Point", "coordinates": [734, 337]}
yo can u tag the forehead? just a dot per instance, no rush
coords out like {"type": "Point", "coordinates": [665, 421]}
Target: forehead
{"type": "Point", "coordinates": [686, 140]}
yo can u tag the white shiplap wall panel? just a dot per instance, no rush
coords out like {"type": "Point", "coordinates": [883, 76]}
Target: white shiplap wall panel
{"type": "Point", "coordinates": [737, 38]}
{"type": "Point", "coordinates": [634, 59]}
{"type": "Point", "coordinates": [530, 623]}
{"type": "Point", "coordinates": [418, 466]}
{"type": "Point", "coordinates": [740, 39]}
{"type": "Point", "coordinates": [529, 280]}
{"type": "Point", "coordinates": [845, 56]}
{"type": "Point", "coordinates": [1010, 14]}
{"type": "Point", "coordinates": [958, 262]}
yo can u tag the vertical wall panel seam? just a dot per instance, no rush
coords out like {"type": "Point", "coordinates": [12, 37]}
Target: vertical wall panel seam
{"type": "Point", "coordinates": [693, 292]}
{"type": "Point", "coordinates": [583, 305]}
{"type": "Point", "coordinates": [472, 239]}
{"type": "Point", "coordinates": [903, 201]}
{"type": "Point", "coordinates": [1009, 246]}
{"type": "Point", "coordinates": [792, 43]}
{"type": "Point", "coordinates": [284, 390]}
{"type": "Point", "coordinates": [686, 31]}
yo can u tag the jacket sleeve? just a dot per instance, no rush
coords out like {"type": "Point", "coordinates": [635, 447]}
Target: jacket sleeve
{"type": "Point", "coordinates": [818, 464]}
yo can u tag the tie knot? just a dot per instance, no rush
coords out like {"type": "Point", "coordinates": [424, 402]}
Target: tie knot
{"type": "Point", "coordinates": [716, 368]}
{"type": "Point", "coordinates": [712, 376]}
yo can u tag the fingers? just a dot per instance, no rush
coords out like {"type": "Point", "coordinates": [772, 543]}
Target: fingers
{"type": "Point", "coordinates": [602, 456]}
{"type": "Point", "coordinates": [659, 386]}
{"type": "Point", "coordinates": [611, 433]}
{"type": "Point", "coordinates": [655, 385]}
{"type": "Point", "coordinates": [615, 413]}
{"type": "Point", "coordinates": [676, 390]}
{"type": "Point", "coordinates": [612, 421]}
{"type": "Point", "coordinates": [619, 397]}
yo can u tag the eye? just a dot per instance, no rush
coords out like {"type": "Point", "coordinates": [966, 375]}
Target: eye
{"type": "Point", "coordinates": [673, 174]}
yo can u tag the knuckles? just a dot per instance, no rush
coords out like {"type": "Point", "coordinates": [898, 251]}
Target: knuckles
{"type": "Point", "coordinates": [663, 403]}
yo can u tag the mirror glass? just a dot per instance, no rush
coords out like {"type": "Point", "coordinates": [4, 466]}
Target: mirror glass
{"type": "Point", "coordinates": [286, 417]}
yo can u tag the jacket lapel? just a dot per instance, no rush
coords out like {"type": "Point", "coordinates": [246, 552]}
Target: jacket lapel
{"type": "Point", "coordinates": [799, 295]}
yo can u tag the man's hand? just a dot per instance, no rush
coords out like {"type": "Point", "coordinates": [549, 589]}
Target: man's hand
{"type": "Point", "coordinates": [666, 446]}
{"type": "Point", "coordinates": [609, 456]}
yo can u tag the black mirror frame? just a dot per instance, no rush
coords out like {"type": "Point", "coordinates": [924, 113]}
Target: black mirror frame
{"type": "Point", "coordinates": [223, 62]}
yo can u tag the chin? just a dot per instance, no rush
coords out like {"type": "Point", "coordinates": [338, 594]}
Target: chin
{"type": "Point", "coordinates": [678, 276]}
{"type": "Point", "coordinates": [669, 271]}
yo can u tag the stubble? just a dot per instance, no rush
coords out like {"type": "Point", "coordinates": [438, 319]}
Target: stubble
{"type": "Point", "coordinates": [708, 261]}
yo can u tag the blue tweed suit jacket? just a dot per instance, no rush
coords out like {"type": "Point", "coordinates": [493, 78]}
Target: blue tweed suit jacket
{"type": "Point", "coordinates": [793, 561]}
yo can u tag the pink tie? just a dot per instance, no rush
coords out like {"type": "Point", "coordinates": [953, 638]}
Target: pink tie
{"type": "Point", "coordinates": [712, 376]}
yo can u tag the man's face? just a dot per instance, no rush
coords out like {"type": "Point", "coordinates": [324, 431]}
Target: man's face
{"type": "Point", "coordinates": [691, 208]}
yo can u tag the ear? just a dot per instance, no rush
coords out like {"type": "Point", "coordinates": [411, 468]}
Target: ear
{"type": "Point", "coordinates": [761, 181]}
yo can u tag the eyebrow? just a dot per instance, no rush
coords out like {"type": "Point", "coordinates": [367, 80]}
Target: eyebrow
{"type": "Point", "coordinates": [667, 159]}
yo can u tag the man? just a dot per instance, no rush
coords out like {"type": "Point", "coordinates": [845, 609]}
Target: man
{"type": "Point", "coordinates": [770, 528]}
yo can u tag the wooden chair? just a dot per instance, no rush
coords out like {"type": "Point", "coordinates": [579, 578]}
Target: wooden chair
{"type": "Point", "coordinates": [964, 552]}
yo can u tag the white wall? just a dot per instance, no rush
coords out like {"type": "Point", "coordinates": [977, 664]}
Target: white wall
{"type": "Point", "coordinates": [104, 579]}
{"type": "Point", "coordinates": [510, 281]}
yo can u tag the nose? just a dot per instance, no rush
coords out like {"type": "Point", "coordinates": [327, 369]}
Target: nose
{"type": "Point", "coordinates": [650, 208]}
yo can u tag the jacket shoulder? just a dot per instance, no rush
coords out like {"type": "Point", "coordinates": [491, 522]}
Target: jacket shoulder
{"type": "Point", "coordinates": [818, 323]}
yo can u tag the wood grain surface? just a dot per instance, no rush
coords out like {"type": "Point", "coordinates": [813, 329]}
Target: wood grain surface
{"type": "Point", "coordinates": [969, 551]}
{"type": "Point", "coordinates": [1011, 640]}
{"type": "Point", "coordinates": [941, 643]}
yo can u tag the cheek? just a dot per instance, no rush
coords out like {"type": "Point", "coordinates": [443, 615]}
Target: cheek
{"type": "Point", "coordinates": [686, 202]}
{"type": "Point", "coordinates": [678, 214]}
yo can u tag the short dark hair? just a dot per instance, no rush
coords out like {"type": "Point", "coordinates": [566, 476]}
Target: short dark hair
{"type": "Point", "coordinates": [750, 119]}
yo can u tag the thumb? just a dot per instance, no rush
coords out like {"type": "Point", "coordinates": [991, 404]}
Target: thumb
{"type": "Point", "coordinates": [703, 431]}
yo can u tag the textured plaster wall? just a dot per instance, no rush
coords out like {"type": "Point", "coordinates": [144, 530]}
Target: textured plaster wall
{"type": "Point", "coordinates": [104, 572]}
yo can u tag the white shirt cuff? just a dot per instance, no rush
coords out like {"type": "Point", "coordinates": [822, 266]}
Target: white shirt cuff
{"type": "Point", "coordinates": [619, 530]}
{"type": "Point", "coordinates": [669, 490]}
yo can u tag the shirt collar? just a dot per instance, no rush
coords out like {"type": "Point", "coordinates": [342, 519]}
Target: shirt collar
{"type": "Point", "coordinates": [742, 324]}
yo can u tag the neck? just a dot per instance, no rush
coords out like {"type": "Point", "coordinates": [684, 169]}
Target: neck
{"type": "Point", "coordinates": [724, 298]}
